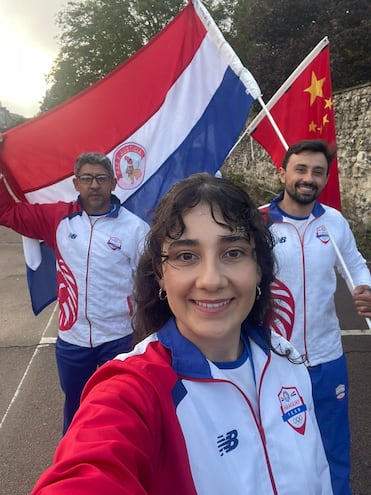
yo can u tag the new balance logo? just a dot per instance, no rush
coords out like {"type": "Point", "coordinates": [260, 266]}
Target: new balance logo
{"type": "Point", "coordinates": [228, 442]}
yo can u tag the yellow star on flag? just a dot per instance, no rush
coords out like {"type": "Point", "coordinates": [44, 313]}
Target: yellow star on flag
{"type": "Point", "coordinates": [325, 119]}
{"type": "Point", "coordinates": [312, 127]}
{"type": "Point", "coordinates": [328, 103]}
{"type": "Point", "coordinates": [315, 88]}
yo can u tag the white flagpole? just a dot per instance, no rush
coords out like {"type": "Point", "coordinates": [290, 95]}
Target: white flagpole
{"type": "Point", "coordinates": [265, 112]}
{"type": "Point", "coordinates": [274, 124]}
{"type": "Point", "coordinates": [271, 120]}
{"type": "Point", "coordinates": [229, 54]}
{"type": "Point", "coordinates": [256, 93]}
{"type": "Point", "coordinates": [349, 280]}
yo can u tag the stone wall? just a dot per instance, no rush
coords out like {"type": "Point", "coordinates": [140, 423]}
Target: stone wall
{"type": "Point", "coordinates": [352, 119]}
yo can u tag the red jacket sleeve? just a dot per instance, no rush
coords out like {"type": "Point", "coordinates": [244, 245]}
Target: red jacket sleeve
{"type": "Point", "coordinates": [37, 221]}
{"type": "Point", "coordinates": [110, 447]}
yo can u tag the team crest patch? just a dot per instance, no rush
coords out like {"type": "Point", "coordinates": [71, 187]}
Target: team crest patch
{"type": "Point", "coordinates": [293, 408]}
{"type": "Point", "coordinates": [129, 164]}
{"type": "Point", "coordinates": [114, 243]}
{"type": "Point", "coordinates": [322, 234]}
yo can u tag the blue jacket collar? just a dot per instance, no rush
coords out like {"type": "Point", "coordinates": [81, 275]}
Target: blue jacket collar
{"type": "Point", "coordinates": [275, 211]}
{"type": "Point", "coordinates": [187, 359]}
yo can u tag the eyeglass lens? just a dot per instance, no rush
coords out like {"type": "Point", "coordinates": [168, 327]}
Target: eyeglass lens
{"type": "Point", "coordinates": [88, 179]}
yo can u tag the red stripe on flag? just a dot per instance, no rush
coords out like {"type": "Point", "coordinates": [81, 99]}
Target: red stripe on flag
{"type": "Point", "coordinates": [102, 116]}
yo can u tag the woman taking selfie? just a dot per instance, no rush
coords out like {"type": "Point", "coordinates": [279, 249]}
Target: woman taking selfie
{"type": "Point", "coordinates": [209, 402]}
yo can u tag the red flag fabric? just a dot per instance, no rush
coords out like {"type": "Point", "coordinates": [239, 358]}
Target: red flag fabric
{"type": "Point", "coordinates": [303, 109]}
{"type": "Point", "coordinates": [176, 107]}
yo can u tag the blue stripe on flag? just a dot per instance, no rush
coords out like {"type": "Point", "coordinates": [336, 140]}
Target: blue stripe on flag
{"type": "Point", "coordinates": [204, 149]}
{"type": "Point", "coordinates": [42, 282]}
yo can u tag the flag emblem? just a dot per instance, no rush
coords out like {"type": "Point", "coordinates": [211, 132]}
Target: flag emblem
{"type": "Point", "coordinates": [293, 408]}
{"type": "Point", "coordinates": [129, 165]}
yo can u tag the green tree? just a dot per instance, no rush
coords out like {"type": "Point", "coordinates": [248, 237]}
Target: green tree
{"type": "Point", "coordinates": [272, 38]}
{"type": "Point", "coordinates": [96, 36]}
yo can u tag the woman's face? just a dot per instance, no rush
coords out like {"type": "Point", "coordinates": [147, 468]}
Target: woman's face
{"type": "Point", "coordinates": [210, 278]}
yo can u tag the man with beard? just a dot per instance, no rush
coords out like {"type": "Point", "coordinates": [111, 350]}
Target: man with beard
{"type": "Point", "coordinates": [304, 289]}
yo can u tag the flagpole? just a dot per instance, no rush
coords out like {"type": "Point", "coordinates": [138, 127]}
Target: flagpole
{"type": "Point", "coordinates": [349, 279]}
{"type": "Point", "coordinates": [249, 129]}
{"type": "Point", "coordinates": [273, 122]}
{"type": "Point", "coordinates": [351, 285]}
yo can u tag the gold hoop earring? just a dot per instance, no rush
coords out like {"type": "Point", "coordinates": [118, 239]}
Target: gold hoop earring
{"type": "Point", "coordinates": [162, 294]}
{"type": "Point", "coordinates": [258, 292]}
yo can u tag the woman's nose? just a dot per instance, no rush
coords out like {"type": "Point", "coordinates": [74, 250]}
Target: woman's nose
{"type": "Point", "coordinates": [211, 275]}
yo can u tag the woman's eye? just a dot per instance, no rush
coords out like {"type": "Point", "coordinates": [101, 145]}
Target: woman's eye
{"type": "Point", "coordinates": [234, 253]}
{"type": "Point", "coordinates": [186, 257]}
{"type": "Point", "coordinates": [181, 259]}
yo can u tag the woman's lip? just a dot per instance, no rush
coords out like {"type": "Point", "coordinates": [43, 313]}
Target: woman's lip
{"type": "Point", "coordinates": [212, 304]}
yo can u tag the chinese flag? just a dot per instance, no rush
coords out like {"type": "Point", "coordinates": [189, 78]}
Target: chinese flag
{"type": "Point", "coordinates": [302, 109]}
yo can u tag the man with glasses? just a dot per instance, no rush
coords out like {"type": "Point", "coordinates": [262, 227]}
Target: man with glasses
{"type": "Point", "coordinates": [97, 244]}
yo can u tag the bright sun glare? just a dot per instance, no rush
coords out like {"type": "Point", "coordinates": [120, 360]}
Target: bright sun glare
{"type": "Point", "coordinates": [23, 70]}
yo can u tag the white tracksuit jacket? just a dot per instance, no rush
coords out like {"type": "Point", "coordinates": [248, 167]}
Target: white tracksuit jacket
{"type": "Point", "coordinates": [306, 275]}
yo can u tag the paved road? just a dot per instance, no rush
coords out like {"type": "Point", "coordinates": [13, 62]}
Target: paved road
{"type": "Point", "coordinates": [31, 400]}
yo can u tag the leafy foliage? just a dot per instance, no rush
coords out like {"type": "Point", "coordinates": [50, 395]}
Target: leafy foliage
{"type": "Point", "coordinates": [97, 35]}
{"type": "Point", "coordinates": [270, 37]}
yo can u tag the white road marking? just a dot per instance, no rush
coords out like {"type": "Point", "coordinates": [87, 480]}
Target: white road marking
{"type": "Point", "coordinates": [51, 340]}
{"type": "Point", "coordinates": [355, 332]}
{"type": "Point", "coordinates": [43, 341]}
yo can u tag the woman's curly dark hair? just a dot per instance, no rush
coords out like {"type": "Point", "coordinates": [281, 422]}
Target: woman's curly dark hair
{"type": "Point", "coordinates": [239, 214]}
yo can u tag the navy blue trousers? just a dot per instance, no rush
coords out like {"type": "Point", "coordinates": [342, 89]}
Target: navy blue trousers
{"type": "Point", "coordinates": [76, 365]}
{"type": "Point", "coordinates": [330, 395]}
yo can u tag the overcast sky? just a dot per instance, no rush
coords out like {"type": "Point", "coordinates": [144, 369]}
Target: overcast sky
{"type": "Point", "coordinates": [28, 48]}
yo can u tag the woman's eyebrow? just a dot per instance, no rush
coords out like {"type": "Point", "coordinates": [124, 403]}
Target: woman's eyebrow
{"type": "Point", "coordinates": [223, 239]}
{"type": "Point", "coordinates": [234, 238]}
{"type": "Point", "coordinates": [182, 242]}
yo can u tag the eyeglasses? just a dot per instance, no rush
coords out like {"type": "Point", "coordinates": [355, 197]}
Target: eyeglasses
{"type": "Point", "coordinates": [87, 179]}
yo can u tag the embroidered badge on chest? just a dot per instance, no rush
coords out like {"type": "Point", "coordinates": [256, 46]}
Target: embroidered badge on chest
{"type": "Point", "coordinates": [114, 243]}
{"type": "Point", "coordinates": [293, 408]}
{"type": "Point", "coordinates": [322, 234]}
